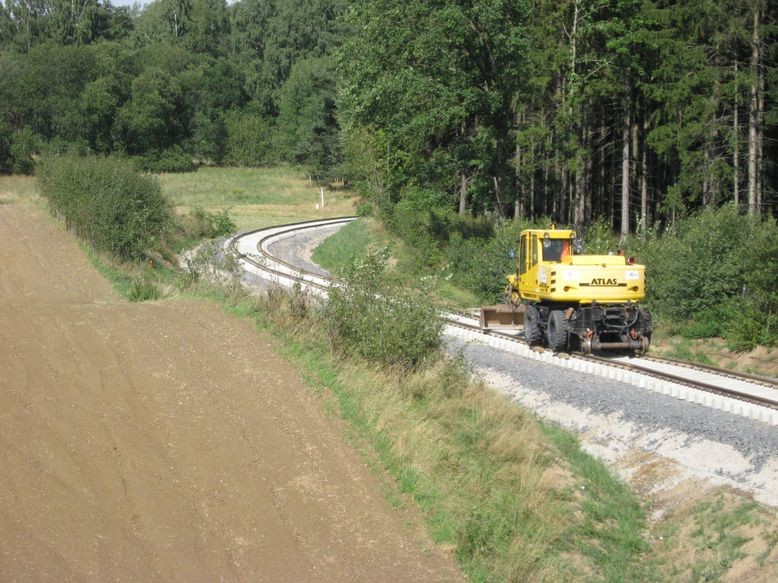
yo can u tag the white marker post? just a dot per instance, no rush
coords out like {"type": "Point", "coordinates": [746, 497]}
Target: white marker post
{"type": "Point", "coordinates": [321, 190]}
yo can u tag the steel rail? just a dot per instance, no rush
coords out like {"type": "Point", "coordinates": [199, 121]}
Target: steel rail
{"type": "Point", "coordinates": [632, 366]}
{"type": "Point", "coordinates": [756, 379]}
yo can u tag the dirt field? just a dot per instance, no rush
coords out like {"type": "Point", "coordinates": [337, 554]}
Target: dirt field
{"type": "Point", "coordinates": [168, 442]}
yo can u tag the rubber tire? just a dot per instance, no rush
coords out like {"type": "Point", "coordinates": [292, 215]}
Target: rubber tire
{"type": "Point", "coordinates": [558, 334]}
{"type": "Point", "coordinates": [532, 332]}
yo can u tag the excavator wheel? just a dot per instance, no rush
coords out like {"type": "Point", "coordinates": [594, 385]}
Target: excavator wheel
{"type": "Point", "coordinates": [558, 333]}
{"type": "Point", "coordinates": [645, 342]}
{"type": "Point", "coordinates": [532, 331]}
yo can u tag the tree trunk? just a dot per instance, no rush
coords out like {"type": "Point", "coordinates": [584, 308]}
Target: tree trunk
{"type": "Point", "coordinates": [604, 190]}
{"type": "Point", "coordinates": [462, 195]}
{"type": "Point", "coordinates": [754, 118]}
{"type": "Point", "coordinates": [518, 201]}
{"type": "Point", "coordinates": [625, 160]}
{"type": "Point", "coordinates": [644, 178]}
{"type": "Point", "coordinates": [578, 188]}
{"type": "Point", "coordinates": [532, 192]}
{"type": "Point", "coordinates": [707, 188]}
{"type": "Point", "coordinates": [736, 140]}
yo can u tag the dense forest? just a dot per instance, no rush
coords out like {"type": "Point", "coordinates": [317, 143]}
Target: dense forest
{"type": "Point", "coordinates": [634, 111]}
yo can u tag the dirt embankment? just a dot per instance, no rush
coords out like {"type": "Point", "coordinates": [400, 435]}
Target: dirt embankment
{"type": "Point", "coordinates": [168, 442]}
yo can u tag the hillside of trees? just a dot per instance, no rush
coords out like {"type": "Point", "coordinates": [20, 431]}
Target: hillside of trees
{"type": "Point", "coordinates": [635, 111]}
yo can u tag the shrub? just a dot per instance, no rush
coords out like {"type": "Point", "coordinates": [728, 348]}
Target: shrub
{"type": "Point", "coordinates": [598, 238]}
{"type": "Point", "coordinates": [106, 202]}
{"type": "Point", "coordinates": [25, 145]}
{"type": "Point", "coordinates": [365, 209]}
{"type": "Point", "coordinates": [717, 269]}
{"type": "Point", "coordinates": [206, 225]}
{"type": "Point", "coordinates": [171, 160]}
{"type": "Point", "coordinates": [249, 138]}
{"type": "Point", "coordinates": [142, 291]}
{"type": "Point", "coordinates": [384, 324]}
{"type": "Point", "coordinates": [481, 264]}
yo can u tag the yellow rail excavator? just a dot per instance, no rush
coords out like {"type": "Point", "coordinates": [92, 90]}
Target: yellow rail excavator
{"type": "Point", "coordinates": [568, 300]}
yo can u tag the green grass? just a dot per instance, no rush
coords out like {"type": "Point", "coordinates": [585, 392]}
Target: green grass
{"type": "Point", "coordinates": [717, 538]}
{"type": "Point", "coordinates": [134, 281]}
{"type": "Point", "coordinates": [358, 237]}
{"type": "Point", "coordinates": [349, 242]}
{"type": "Point", "coordinates": [255, 197]}
{"type": "Point", "coordinates": [503, 492]}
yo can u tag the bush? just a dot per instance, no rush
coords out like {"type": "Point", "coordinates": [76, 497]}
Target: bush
{"type": "Point", "coordinates": [384, 324]}
{"type": "Point", "coordinates": [171, 160]}
{"type": "Point", "coordinates": [718, 270]}
{"type": "Point", "coordinates": [598, 238]}
{"type": "Point", "coordinates": [24, 147]}
{"type": "Point", "coordinates": [249, 138]}
{"type": "Point", "coordinates": [106, 202]}
{"type": "Point", "coordinates": [481, 264]}
{"type": "Point", "coordinates": [207, 225]}
{"type": "Point", "coordinates": [364, 209]}
{"type": "Point", "coordinates": [142, 291]}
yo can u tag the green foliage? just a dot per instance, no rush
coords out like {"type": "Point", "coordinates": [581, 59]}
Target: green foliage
{"type": "Point", "coordinates": [384, 324]}
{"type": "Point", "coordinates": [154, 118]}
{"type": "Point", "coordinates": [433, 85]}
{"type": "Point", "coordinates": [25, 145]}
{"type": "Point", "coordinates": [143, 291]}
{"type": "Point", "coordinates": [307, 128]}
{"type": "Point", "coordinates": [717, 271]}
{"type": "Point", "coordinates": [598, 238]}
{"type": "Point", "coordinates": [481, 264]}
{"type": "Point", "coordinates": [104, 201]}
{"type": "Point", "coordinates": [173, 159]}
{"type": "Point", "coordinates": [249, 138]}
{"type": "Point", "coordinates": [209, 225]}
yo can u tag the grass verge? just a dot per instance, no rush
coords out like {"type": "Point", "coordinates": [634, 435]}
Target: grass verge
{"type": "Point", "coordinates": [516, 501]}
{"type": "Point", "coordinates": [362, 235]}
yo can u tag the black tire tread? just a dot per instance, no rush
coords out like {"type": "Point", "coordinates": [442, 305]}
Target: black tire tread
{"type": "Point", "coordinates": [557, 331]}
{"type": "Point", "coordinates": [533, 334]}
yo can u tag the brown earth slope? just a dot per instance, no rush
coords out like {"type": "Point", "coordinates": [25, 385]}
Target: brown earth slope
{"type": "Point", "coordinates": [169, 442]}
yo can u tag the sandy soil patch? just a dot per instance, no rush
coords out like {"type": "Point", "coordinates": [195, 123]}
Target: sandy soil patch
{"type": "Point", "coordinates": [168, 442]}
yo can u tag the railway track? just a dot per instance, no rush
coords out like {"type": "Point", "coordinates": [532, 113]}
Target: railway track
{"type": "Point", "coordinates": [746, 395]}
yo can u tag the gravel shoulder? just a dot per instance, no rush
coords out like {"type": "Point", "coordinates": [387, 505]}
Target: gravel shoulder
{"type": "Point", "coordinates": [635, 430]}
{"type": "Point", "coordinates": [167, 441]}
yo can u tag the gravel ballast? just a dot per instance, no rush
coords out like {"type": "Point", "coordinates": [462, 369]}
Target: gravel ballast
{"type": "Point", "coordinates": [615, 420]}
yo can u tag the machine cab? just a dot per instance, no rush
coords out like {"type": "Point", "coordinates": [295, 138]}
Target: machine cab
{"type": "Point", "coordinates": [550, 270]}
{"type": "Point", "coordinates": [538, 250]}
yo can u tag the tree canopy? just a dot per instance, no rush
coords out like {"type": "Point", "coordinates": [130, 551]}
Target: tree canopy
{"type": "Point", "coordinates": [635, 111]}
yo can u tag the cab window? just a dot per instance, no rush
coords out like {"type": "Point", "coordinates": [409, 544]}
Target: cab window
{"type": "Point", "coordinates": [523, 255]}
{"type": "Point", "coordinates": [555, 249]}
{"type": "Point", "coordinates": [552, 249]}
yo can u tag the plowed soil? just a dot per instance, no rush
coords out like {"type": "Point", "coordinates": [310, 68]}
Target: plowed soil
{"type": "Point", "coordinates": [167, 441]}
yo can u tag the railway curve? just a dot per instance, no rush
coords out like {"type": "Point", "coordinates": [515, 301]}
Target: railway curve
{"type": "Point", "coordinates": [738, 394]}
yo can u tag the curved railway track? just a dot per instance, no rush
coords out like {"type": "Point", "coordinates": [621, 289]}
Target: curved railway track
{"type": "Point", "coordinates": [747, 395]}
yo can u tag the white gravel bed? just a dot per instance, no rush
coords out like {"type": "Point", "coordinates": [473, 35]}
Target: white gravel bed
{"type": "Point", "coordinates": [616, 421]}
